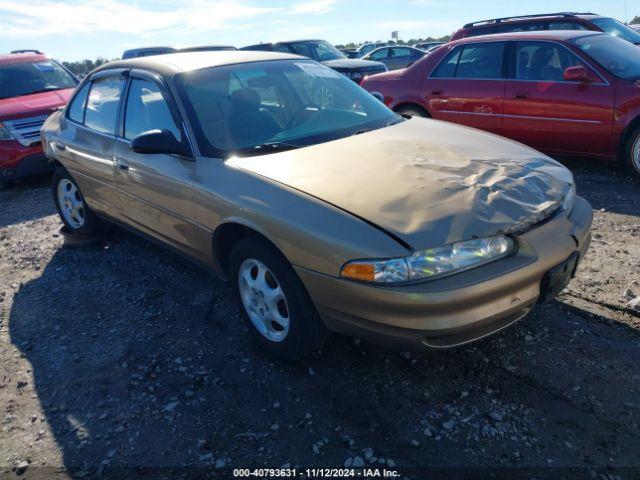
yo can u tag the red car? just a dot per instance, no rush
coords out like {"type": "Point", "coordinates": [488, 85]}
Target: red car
{"type": "Point", "coordinates": [31, 87]}
{"type": "Point", "coordinates": [564, 92]}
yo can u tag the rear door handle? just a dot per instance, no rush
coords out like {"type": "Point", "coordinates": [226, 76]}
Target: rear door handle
{"type": "Point", "coordinates": [121, 163]}
{"type": "Point", "coordinates": [437, 92]}
{"type": "Point", "coordinates": [522, 96]}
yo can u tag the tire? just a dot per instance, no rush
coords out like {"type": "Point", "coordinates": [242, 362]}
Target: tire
{"type": "Point", "coordinates": [632, 153]}
{"type": "Point", "coordinates": [66, 196]}
{"type": "Point", "coordinates": [414, 111]}
{"type": "Point", "coordinates": [253, 286]}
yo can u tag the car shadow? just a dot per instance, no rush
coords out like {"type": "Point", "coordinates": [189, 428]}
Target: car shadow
{"type": "Point", "coordinates": [141, 361]}
{"type": "Point", "coordinates": [606, 185]}
{"type": "Point", "coordinates": [33, 195]}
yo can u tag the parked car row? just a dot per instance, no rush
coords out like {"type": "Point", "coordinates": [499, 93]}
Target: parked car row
{"type": "Point", "coordinates": [327, 209]}
{"type": "Point", "coordinates": [562, 92]}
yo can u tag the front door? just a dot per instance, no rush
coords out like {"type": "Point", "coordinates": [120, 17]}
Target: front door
{"type": "Point", "coordinates": [546, 112]}
{"type": "Point", "coordinates": [467, 86]}
{"type": "Point", "coordinates": [157, 188]}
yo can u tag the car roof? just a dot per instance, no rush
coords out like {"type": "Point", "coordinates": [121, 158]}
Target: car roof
{"type": "Point", "coordinates": [561, 35]}
{"type": "Point", "coordinates": [175, 63]}
{"type": "Point", "coordinates": [531, 18]}
{"type": "Point", "coordinates": [10, 58]}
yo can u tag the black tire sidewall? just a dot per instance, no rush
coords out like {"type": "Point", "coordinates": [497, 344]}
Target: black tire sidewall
{"type": "Point", "coordinates": [413, 111]}
{"type": "Point", "coordinates": [91, 222]}
{"type": "Point", "coordinates": [306, 333]}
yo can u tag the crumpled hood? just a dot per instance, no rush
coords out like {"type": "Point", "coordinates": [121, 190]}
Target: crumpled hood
{"type": "Point", "coordinates": [30, 105]}
{"type": "Point", "coordinates": [427, 182]}
{"type": "Point", "coordinates": [351, 64]}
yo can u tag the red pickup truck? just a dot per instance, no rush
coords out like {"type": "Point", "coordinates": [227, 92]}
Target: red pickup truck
{"type": "Point", "coordinates": [31, 87]}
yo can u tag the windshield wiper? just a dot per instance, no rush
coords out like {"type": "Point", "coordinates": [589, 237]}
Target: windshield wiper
{"type": "Point", "coordinates": [268, 147]}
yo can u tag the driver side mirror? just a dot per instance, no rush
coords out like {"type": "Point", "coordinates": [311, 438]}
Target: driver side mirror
{"type": "Point", "coordinates": [158, 142]}
{"type": "Point", "coordinates": [577, 74]}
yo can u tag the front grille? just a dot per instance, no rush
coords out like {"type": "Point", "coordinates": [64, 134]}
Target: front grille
{"type": "Point", "coordinates": [26, 130]}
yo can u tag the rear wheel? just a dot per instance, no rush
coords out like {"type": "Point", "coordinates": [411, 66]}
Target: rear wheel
{"type": "Point", "coordinates": [273, 301]}
{"type": "Point", "coordinates": [632, 153]}
{"type": "Point", "coordinates": [73, 210]}
{"type": "Point", "coordinates": [414, 111]}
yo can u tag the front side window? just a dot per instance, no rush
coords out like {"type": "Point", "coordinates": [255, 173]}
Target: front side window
{"type": "Point", "coordinates": [17, 79]}
{"type": "Point", "coordinates": [246, 109]}
{"type": "Point", "coordinates": [76, 108]}
{"type": "Point", "coordinates": [617, 56]}
{"type": "Point", "coordinates": [544, 61]}
{"type": "Point", "coordinates": [102, 105]}
{"type": "Point", "coordinates": [147, 110]}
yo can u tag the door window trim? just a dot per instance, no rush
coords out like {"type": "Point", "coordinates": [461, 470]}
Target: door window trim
{"type": "Point", "coordinates": [142, 74]}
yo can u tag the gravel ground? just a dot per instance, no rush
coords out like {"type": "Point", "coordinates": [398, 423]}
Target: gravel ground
{"type": "Point", "coordinates": [121, 358]}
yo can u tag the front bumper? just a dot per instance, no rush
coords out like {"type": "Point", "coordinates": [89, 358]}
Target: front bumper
{"type": "Point", "coordinates": [17, 161]}
{"type": "Point", "coordinates": [457, 309]}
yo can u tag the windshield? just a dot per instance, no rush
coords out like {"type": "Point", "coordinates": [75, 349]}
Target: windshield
{"type": "Point", "coordinates": [239, 109]}
{"type": "Point", "coordinates": [620, 58]}
{"type": "Point", "coordinates": [617, 29]}
{"type": "Point", "coordinates": [18, 79]}
{"type": "Point", "coordinates": [319, 51]}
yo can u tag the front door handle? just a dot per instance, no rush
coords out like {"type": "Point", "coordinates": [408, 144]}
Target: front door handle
{"type": "Point", "coordinates": [121, 163]}
{"type": "Point", "coordinates": [522, 96]}
{"type": "Point", "coordinates": [59, 145]}
{"type": "Point", "coordinates": [437, 92]}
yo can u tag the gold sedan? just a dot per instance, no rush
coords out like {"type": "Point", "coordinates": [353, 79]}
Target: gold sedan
{"type": "Point", "coordinates": [326, 210]}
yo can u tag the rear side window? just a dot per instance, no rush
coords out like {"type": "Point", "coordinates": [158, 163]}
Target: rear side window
{"type": "Point", "coordinates": [147, 110]}
{"type": "Point", "coordinates": [76, 108]}
{"type": "Point", "coordinates": [478, 61]}
{"type": "Point", "coordinates": [447, 67]}
{"type": "Point", "coordinates": [566, 26]}
{"type": "Point", "coordinates": [522, 27]}
{"type": "Point", "coordinates": [102, 106]}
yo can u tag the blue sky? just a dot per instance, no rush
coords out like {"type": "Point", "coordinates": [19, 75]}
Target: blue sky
{"type": "Point", "coordinates": [74, 30]}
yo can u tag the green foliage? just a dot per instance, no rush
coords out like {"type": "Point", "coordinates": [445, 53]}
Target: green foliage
{"type": "Point", "coordinates": [412, 41]}
{"type": "Point", "coordinates": [85, 66]}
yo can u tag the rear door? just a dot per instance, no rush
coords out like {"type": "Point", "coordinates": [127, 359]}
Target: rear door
{"type": "Point", "coordinates": [157, 188]}
{"type": "Point", "coordinates": [87, 139]}
{"type": "Point", "coordinates": [549, 113]}
{"type": "Point", "coordinates": [467, 86]}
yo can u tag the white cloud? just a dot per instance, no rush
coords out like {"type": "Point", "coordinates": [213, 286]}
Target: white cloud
{"type": "Point", "coordinates": [45, 17]}
{"type": "Point", "coordinates": [314, 7]}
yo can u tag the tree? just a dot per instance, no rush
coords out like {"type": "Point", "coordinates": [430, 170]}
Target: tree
{"type": "Point", "coordinates": [635, 20]}
{"type": "Point", "coordinates": [85, 66]}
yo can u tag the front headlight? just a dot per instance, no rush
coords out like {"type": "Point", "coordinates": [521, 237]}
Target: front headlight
{"type": "Point", "coordinates": [4, 133]}
{"type": "Point", "coordinates": [431, 263]}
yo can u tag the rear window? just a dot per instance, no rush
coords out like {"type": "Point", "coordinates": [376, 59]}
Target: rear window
{"type": "Point", "coordinates": [34, 77]}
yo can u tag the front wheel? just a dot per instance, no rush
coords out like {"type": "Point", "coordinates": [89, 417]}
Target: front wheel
{"type": "Point", "coordinates": [72, 208]}
{"type": "Point", "coordinates": [632, 153]}
{"type": "Point", "coordinates": [273, 301]}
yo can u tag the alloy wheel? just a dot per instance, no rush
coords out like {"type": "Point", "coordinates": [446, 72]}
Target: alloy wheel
{"type": "Point", "coordinates": [263, 300]}
{"type": "Point", "coordinates": [71, 203]}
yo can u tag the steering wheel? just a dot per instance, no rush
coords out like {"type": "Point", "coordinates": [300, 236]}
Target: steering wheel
{"type": "Point", "coordinates": [298, 116]}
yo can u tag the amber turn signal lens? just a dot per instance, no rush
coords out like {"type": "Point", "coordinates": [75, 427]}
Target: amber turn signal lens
{"type": "Point", "coordinates": [359, 271]}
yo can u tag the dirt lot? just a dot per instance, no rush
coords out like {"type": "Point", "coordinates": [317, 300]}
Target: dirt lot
{"type": "Point", "coordinates": [121, 358]}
